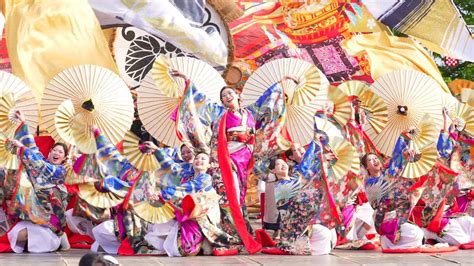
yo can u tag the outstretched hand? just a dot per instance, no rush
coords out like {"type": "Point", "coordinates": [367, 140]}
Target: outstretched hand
{"type": "Point", "coordinates": [19, 115]}
{"type": "Point", "coordinates": [290, 77]}
{"type": "Point", "coordinates": [150, 146]}
{"type": "Point", "coordinates": [177, 73]}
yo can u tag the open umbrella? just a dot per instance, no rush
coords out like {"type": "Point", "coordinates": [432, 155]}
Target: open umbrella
{"type": "Point", "coordinates": [311, 80]}
{"type": "Point", "coordinates": [159, 94]}
{"type": "Point", "coordinates": [157, 212]}
{"type": "Point", "coordinates": [422, 163]}
{"type": "Point", "coordinates": [131, 150]}
{"type": "Point", "coordinates": [374, 107]}
{"type": "Point", "coordinates": [99, 97]}
{"type": "Point", "coordinates": [425, 133]}
{"type": "Point", "coordinates": [347, 157]}
{"type": "Point", "coordinates": [8, 160]}
{"type": "Point", "coordinates": [98, 196]}
{"type": "Point", "coordinates": [16, 96]}
{"type": "Point", "coordinates": [409, 95]}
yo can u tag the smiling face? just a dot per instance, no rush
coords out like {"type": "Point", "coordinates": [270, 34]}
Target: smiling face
{"type": "Point", "coordinates": [298, 153]}
{"type": "Point", "coordinates": [187, 154]}
{"type": "Point", "coordinates": [57, 155]}
{"type": "Point", "coordinates": [281, 168]}
{"type": "Point", "coordinates": [229, 98]}
{"type": "Point", "coordinates": [201, 162]}
{"type": "Point", "coordinates": [373, 164]}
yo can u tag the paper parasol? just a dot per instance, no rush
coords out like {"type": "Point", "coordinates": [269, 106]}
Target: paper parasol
{"type": "Point", "coordinates": [329, 128]}
{"type": "Point", "coordinates": [142, 161]}
{"type": "Point", "coordinates": [299, 122]}
{"type": "Point", "coordinates": [158, 95]}
{"type": "Point", "coordinates": [458, 85]}
{"type": "Point", "coordinates": [311, 79]}
{"type": "Point", "coordinates": [154, 213]}
{"type": "Point", "coordinates": [426, 132]}
{"type": "Point", "coordinates": [99, 97]}
{"type": "Point", "coordinates": [422, 163]}
{"type": "Point", "coordinates": [341, 105]}
{"type": "Point", "coordinates": [98, 197]}
{"type": "Point", "coordinates": [8, 160]}
{"type": "Point", "coordinates": [465, 113]}
{"type": "Point", "coordinates": [347, 157]}
{"type": "Point", "coordinates": [409, 95]}
{"type": "Point", "coordinates": [374, 107]}
{"type": "Point", "coordinates": [17, 96]}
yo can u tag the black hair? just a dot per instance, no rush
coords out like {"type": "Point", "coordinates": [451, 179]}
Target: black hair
{"type": "Point", "coordinates": [95, 259]}
{"type": "Point", "coordinates": [232, 88]}
{"type": "Point", "coordinates": [64, 146]}
{"type": "Point", "coordinates": [272, 164]}
{"type": "Point", "coordinates": [182, 146]}
{"type": "Point", "coordinates": [364, 159]}
{"type": "Point", "coordinates": [289, 153]}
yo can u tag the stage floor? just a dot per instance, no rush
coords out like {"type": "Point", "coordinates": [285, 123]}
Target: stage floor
{"type": "Point", "coordinates": [337, 257]}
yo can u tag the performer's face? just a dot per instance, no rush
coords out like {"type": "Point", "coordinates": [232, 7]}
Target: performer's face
{"type": "Point", "coordinates": [281, 168]}
{"type": "Point", "coordinates": [373, 164]}
{"type": "Point", "coordinates": [298, 153]}
{"type": "Point", "coordinates": [201, 162]}
{"type": "Point", "coordinates": [57, 155]}
{"type": "Point", "coordinates": [187, 154]}
{"type": "Point", "coordinates": [229, 98]}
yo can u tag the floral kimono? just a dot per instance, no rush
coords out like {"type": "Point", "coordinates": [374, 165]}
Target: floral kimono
{"type": "Point", "coordinates": [455, 150]}
{"type": "Point", "coordinates": [129, 227]}
{"type": "Point", "coordinates": [392, 196]}
{"type": "Point", "coordinates": [197, 212]}
{"type": "Point", "coordinates": [306, 205]}
{"type": "Point", "coordinates": [277, 195]}
{"type": "Point", "coordinates": [348, 197]}
{"type": "Point", "coordinates": [437, 195]}
{"type": "Point", "coordinates": [232, 141]}
{"type": "Point", "coordinates": [47, 185]}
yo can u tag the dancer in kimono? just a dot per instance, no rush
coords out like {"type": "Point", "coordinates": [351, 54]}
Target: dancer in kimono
{"type": "Point", "coordinates": [232, 144]}
{"type": "Point", "coordinates": [392, 198]}
{"type": "Point", "coordinates": [195, 228]}
{"type": "Point", "coordinates": [124, 234]}
{"type": "Point", "coordinates": [279, 188]}
{"type": "Point", "coordinates": [41, 207]}
{"type": "Point", "coordinates": [348, 190]}
{"type": "Point", "coordinates": [451, 189]}
{"type": "Point", "coordinates": [304, 206]}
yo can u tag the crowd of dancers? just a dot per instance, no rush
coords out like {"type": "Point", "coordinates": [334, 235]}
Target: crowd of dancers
{"type": "Point", "coordinates": [195, 203]}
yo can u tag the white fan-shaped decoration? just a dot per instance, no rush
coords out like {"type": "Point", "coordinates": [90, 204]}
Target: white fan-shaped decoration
{"type": "Point", "coordinates": [287, 190]}
{"type": "Point", "coordinates": [158, 95]}
{"type": "Point", "coordinates": [310, 78]}
{"type": "Point", "coordinates": [206, 79]}
{"type": "Point", "coordinates": [98, 96]}
{"type": "Point", "coordinates": [329, 128]}
{"type": "Point", "coordinates": [20, 98]}
{"type": "Point", "coordinates": [409, 95]}
{"type": "Point", "coordinates": [8, 160]}
{"type": "Point", "coordinates": [426, 132]}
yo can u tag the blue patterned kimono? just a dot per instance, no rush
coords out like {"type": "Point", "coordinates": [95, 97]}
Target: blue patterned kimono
{"type": "Point", "coordinates": [47, 180]}
{"type": "Point", "coordinates": [187, 184]}
{"type": "Point", "coordinates": [303, 207]}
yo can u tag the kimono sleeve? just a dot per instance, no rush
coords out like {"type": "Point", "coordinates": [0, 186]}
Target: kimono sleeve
{"type": "Point", "coordinates": [201, 183]}
{"type": "Point", "coordinates": [445, 145]}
